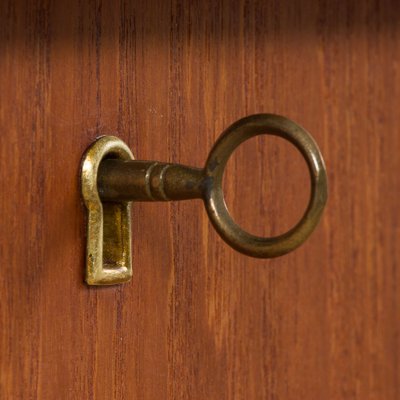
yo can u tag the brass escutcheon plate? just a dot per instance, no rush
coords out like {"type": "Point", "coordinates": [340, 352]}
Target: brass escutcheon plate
{"type": "Point", "coordinates": [108, 242]}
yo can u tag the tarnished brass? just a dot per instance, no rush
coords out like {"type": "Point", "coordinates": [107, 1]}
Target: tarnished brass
{"type": "Point", "coordinates": [121, 180]}
{"type": "Point", "coordinates": [108, 248]}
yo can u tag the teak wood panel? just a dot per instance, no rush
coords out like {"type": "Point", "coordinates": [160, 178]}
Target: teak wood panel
{"type": "Point", "coordinates": [200, 321]}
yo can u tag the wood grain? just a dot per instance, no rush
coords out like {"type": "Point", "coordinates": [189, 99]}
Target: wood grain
{"type": "Point", "coordinates": [200, 321]}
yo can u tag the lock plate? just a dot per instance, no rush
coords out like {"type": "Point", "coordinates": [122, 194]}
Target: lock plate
{"type": "Point", "coordinates": [108, 241]}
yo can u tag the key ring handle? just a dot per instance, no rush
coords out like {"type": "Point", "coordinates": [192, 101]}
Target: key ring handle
{"type": "Point", "coordinates": [213, 196]}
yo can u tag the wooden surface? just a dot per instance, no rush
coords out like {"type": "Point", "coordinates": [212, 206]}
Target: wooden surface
{"type": "Point", "coordinates": [200, 321]}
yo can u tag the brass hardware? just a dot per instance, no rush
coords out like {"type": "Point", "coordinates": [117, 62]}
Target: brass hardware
{"type": "Point", "coordinates": [108, 248]}
{"type": "Point", "coordinates": [121, 180]}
